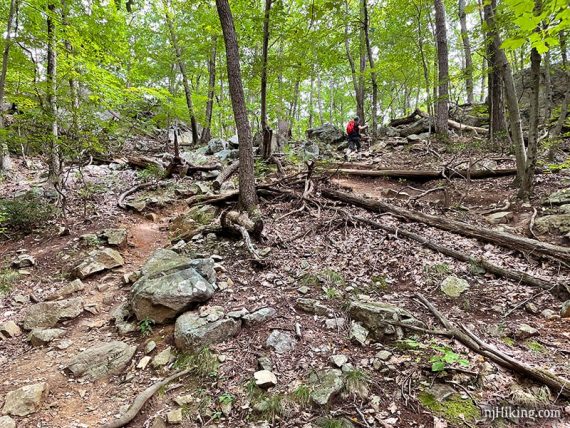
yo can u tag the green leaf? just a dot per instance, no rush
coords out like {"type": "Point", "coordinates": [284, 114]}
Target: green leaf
{"type": "Point", "coordinates": [438, 366]}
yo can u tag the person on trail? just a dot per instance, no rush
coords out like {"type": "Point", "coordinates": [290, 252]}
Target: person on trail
{"type": "Point", "coordinates": [353, 129]}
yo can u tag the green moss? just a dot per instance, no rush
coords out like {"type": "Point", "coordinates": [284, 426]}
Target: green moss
{"type": "Point", "coordinates": [533, 345]}
{"type": "Point", "coordinates": [309, 280]}
{"type": "Point", "coordinates": [454, 409]}
{"type": "Point", "coordinates": [508, 341]}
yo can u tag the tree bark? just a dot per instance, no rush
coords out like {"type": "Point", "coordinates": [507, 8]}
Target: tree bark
{"type": "Point", "coordinates": [54, 173]}
{"type": "Point", "coordinates": [266, 146]}
{"type": "Point", "coordinates": [564, 108]}
{"type": "Point", "coordinates": [504, 239]}
{"type": "Point", "coordinates": [442, 110]}
{"type": "Point", "coordinates": [468, 70]}
{"type": "Point", "coordinates": [362, 68]}
{"type": "Point", "coordinates": [73, 86]}
{"type": "Point", "coordinates": [373, 76]}
{"type": "Point", "coordinates": [247, 194]}
{"type": "Point", "coordinates": [182, 67]}
{"type": "Point", "coordinates": [355, 78]}
{"type": "Point", "coordinates": [207, 132]}
{"type": "Point", "coordinates": [5, 163]}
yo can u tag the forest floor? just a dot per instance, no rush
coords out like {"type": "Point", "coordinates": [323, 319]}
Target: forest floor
{"type": "Point", "coordinates": [315, 253]}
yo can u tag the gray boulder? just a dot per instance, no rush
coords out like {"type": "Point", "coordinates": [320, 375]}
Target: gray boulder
{"type": "Point", "coordinates": [281, 341]}
{"type": "Point", "coordinates": [559, 198]}
{"type": "Point", "coordinates": [98, 261]}
{"type": "Point", "coordinates": [553, 223]}
{"type": "Point", "coordinates": [326, 385]}
{"type": "Point", "coordinates": [115, 237]}
{"type": "Point", "coordinates": [48, 314]}
{"type": "Point", "coordinates": [101, 360]}
{"type": "Point", "coordinates": [326, 133]}
{"type": "Point", "coordinates": [41, 337]}
{"type": "Point", "coordinates": [227, 154]}
{"type": "Point", "coordinates": [376, 315]}
{"type": "Point", "coordinates": [260, 316]}
{"type": "Point", "coordinates": [216, 145]}
{"type": "Point", "coordinates": [454, 286]}
{"type": "Point", "coordinates": [193, 332]}
{"type": "Point", "coordinates": [25, 400]}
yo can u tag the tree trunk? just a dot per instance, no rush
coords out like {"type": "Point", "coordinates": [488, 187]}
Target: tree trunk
{"type": "Point", "coordinates": [548, 89]}
{"type": "Point", "coordinates": [497, 123]}
{"type": "Point", "coordinates": [373, 76]}
{"type": "Point", "coordinates": [207, 132]}
{"type": "Point", "coordinates": [182, 67]}
{"type": "Point", "coordinates": [564, 108]}
{"type": "Point", "coordinates": [311, 91]}
{"type": "Point", "coordinates": [54, 173]}
{"type": "Point", "coordinates": [320, 98]}
{"type": "Point", "coordinates": [362, 51]}
{"type": "Point", "coordinates": [442, 111]}
{"type": "Point", "coordinates": [468, 71]}
{"type": "Point", "coordinates": [266, 146]}
{"type": "Point", "coordinates": [355, 79]}
{"type": "Point", "coordinates": [247, 194]}
{"type": "Point", "coordinates": [5, 163]}
{"type": "Point", "coordinates": [73, 86]}
{"type": "Point", "coordinates": [425, 65]}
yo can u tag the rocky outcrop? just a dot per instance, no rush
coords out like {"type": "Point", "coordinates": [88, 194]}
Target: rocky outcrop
{"type": "Point", "coordinates": [326, 133]}
{"type": "Point", "coordinates": [98, 261]}
{"type": "Point", "coordinates": [170, 284]}
{"type": "Point", "coordinates": [101, 360]}
{"type": "Point", "coordinates": [48, 314]}
{"type": "Point", "coordinates": [553, 223]}
{"type": "Point", "coordinates": [41, 337]}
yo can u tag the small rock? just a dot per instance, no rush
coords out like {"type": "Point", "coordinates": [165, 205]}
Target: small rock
{"type": "Point", "coordinates": [358, 333]}
{"type": "Point", "coordinates": [191, 332]}
{"type": "Point", "coordinates": [149, 347]}
{"type": "Point", "coordinates": [281, 341]}
{"type": "Point", "coordinates": [260, 316]}
{"type": "Point", "coordinates": [524, 331]}
{"type": "Point", "coordinates": [339, 360]}
{"type": "Point", "coordinates": [264, 363]}
{"type": "Point", "coordinates": [384, 355]}
{"type": "Point", "coordinates": [265, 379]}
{"type": "Point", "coordinates": [102, 359]}
{"type": "Point", "coordinates": [116, 237]}
{"type": "Point", "coordinates": [304, 289]}
{"type": "Point", "coordinates": [565, 310]}
{"type": "Point", "coordinates": [10, 329]}
{"type": "Point", "coordinates": [174, 416]}
{"type": "Point", "coordinates": [454, 286]}
{"type": "Point", "coordinates": [326, 385]}
{"type": "Point", "coordinates": [144, 362]}
{"type": "Point", "coordinates": [41, 337]}
{"type": "Point", "coordinates": [25, 400]}
{"type": "Point", "coordinates": [24, 261]}
{"type": "Point", "coordinates": [48, 314]}
{"type": "Point", "coordinates": [162, 358]}
{"type": "Point", "coordinates": [549, 314]}
{"type": "Point", "coordinates": [184, 400]}
{"type": "Point", "coordinates": [500, 217]}
{"type": "Point", "coordinates": [99, 261]}
{"type": "Point", "coordinates": [311, 306]}
{"type": "Point", "coordinates": [67, 290]}
{"type": "Point", "coordinates": [238, 314]}
{"type": "Point", "coordinates": [7, 422]}
{"type": "Point", "coordinates": [531, 308]}
{"type": "Point", "coordinates": [334, 323]}
{"type": "Point", "coordinates": [211, 313]}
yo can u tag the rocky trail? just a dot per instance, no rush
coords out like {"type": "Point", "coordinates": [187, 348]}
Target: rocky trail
{"type": "Point", "coordinates": [328, 330]}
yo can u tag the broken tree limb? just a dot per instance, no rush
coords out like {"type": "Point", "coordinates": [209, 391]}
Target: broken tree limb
{"type": "Point", "coordinates": [226, 173]}
{"type": "Point", "coordinates": [239, 221]}
{"type": "Point", "coordinates": [143, 162]}
{"type": "Point", "coordinates": [142, 398]}
{"type": "Point", "coordinates": [504, 239]}
{"type": "Point", "coordinates": [408, 119]}
{"type": "Point", "coordinates": [462, 127]}
{"type": "Point", "coordinates": [558, 385]}
{"type": "Point", "coordinates": [121, 200]}
{"type": "Point", "coordinates": [461, 256]}
{"type": "Point", "coordinates": [426, 175]}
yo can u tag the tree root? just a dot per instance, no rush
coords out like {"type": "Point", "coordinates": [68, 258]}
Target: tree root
{"type": "Point", "coordinates": [142, 398]}
{"type": "Point", "coordinates": [121, 201]}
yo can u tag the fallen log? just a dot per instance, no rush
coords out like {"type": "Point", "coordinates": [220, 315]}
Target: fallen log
{"type": "Point", "coordinates": [419, 121]}
{"type": "Point", "coordinates": [143, 162]}
{"type": "Point", "coordinates": [504, 239]}
{"type": "Point", "coordinates": [559, 386]}
{"type": "Point", "coordinates": [408, 119]}
{"type": "Point", "coordinates": [225, 174]}
{"type": "Point", "coordinates": [515, 275]}
{"type": "Point", "coordinates": [121, 200]}
{"type": "Point", "coordinates": [426, 175]}
{"type": "Point", "coordinates": [142, 398]}
{"type": "Point", "coordinates": [462, 127]}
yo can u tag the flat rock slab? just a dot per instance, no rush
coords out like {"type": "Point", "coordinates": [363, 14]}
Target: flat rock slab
{"type": "Point", "coordinates": [116, 237]}
{"type": "Point", "coordinates": [67, 290]}
{"type": "Point", "coordinates": [265, 379]}
{"type": "Point", "coordinates": [193, 332]}
{"type": "Point", "coordinates": [25, 400]}
{"type": "Point", "coordinates": [559, 198]}
{"type": "Point", "coordinates": [281, 341]}
{"type": "Point", "coordinates": [260, 316]}
{"type": "Point", "coordinates": [311, 306]}
{"type": "Point", "coordinates": [326, 385]}
{"type": "Point", "coordinates": [48, 314]}
{"type": "Point", "coordinates": [98, 261]}
{"type": "Point", "coordinates": [41, 337]}
{"type": "Point", "coordinates": [101, 360]}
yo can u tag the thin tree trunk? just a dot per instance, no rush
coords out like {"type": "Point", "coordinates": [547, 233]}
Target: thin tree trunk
{"type": "Point", "coordinates": [564, 108]}
{"type": "Point", "coordinates": [373, 76]}
{"type": "Point", "coordinates": [5, 163]}
{"type": "Point", "coordinates": [247, 194]}
{"type": "Point", "coordinates": [320, 98]}
{"type": "Point", "coordinates": [267, 133]}
{"type": "Point", "coordinates": [468, 71]}
{"type": "Point", "coordinates": [311, 90]}
{"type": "Point", "coordinates": [359, 106]}
{"type": "Point", "coordinates": [442, 111]}
{"type": "Point", "coordinates": [425, 66]}
{"type": "Point", "coordinates": [548, 89]}
{"type": "Point", "coordinates": [182, 67]}
{"type": "Point", "coordinates": [484, 62]}
{"type": "Point", "coordinates": [362, 50]}
{"type": "Point", "coordinates": [54, 173]}
{"type": "Point", "coordinates": [73, 86]}
{"type": "Point", "coordinates": [207, 132]}
{"type": "Point", "coordinates": [332, 106]}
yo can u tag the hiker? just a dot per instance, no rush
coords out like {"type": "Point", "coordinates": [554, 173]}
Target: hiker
{"type": "Point", "coordinates": [353, 129]}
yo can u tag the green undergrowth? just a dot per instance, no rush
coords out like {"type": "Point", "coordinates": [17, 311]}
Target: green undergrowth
{"type": "Point", "coordinates": [454, 409]}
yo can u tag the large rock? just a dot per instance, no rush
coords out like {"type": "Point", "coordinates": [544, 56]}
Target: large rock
{"type": "Point", "coordinates": [193, 332]}
{"type": "Point", "coordinates": [102, 359]}
{"type": "Point", "coordinates": [41, 337]}
{"type": "Point", "coordinates": [170, 284]}
{"type": "Point", "coordinates": [227, 154]}
{"type": "Point", "coordinates": [454, 286]}
{"type": "Point", "coordinates": [116, 237]}
{"type": "Point", "coordinates": [48, 314]}
{"type": "Point", "coordinates": [25, 400]}
{"type": "Point", "coordinates": [559, 198]}
{"type": "Point", "coordinates": [188, 224]}
{"type": "Point", "coordinates": [553, 223]}
{"type": "Point", "coordinates": [374, 316]}
{"type": "Point", "coordinates": [98, 261]}
{"type": "Point", "coordinates": [326, 133]}
{"type": "Point", "coordinates": [216, 145]}
{"type": "Point", "coordinates": [281, 341]}
{"type": "Point", "coordinates": [326, 385]}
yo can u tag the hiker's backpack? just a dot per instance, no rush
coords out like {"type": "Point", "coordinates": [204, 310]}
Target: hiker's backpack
{"type": "Point", "coordinates": [350, 127]}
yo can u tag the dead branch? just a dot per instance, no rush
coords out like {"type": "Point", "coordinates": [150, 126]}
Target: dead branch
{"type": "Point", "coordinates": [504, 239]}
{"type": "Point", "coordinates": [558, 385]}
{"type": "Point", "coordinates": [138, 187]}
{"type": "Point", "coordinates": [426, 175]}
{"type": "Point", "coordinates": [225, 175]}
{"type": "Point", "coordinates": [142, 398]}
